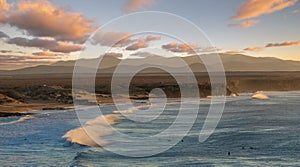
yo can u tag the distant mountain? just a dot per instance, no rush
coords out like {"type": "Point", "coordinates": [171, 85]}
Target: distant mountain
{"type": "Point", "coordinates": [236, 62]}
{"type": "Point", "coordinates": [106, 62]}
{"type": "Point", "coordinates": [241, 62]}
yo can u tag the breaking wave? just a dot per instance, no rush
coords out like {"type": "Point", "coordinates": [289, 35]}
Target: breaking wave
{"type": "Point", "coordinates": [96, 129]}
{"type": "Point", "coordinates": [17, 121]}
{"type": "Point", "coordinates": [260, 95]}
{"type": "Point", "coordinates": [93, 129]}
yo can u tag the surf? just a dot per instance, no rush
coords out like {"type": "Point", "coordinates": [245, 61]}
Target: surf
{"type": "Point", "coordinates": [26, 117]}
{"type": "Point", "coordinates": [94, 129]}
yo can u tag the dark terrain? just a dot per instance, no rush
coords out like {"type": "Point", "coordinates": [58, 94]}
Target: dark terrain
{"type": "Point", "coordinates": [55, 90]}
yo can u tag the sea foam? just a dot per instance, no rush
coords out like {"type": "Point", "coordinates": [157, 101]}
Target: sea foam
{"type": "Point", "coordinates": [96, 129]}
{"type": "Point", "coordinates": [93, 130]}
{"type": "Point", "coordinates": [260, 95]}
{"type": "Point", "coordinates": [17, 121]}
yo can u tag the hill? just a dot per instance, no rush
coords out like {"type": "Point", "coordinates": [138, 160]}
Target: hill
{"type": "Point", "coordinates": [231, 63]}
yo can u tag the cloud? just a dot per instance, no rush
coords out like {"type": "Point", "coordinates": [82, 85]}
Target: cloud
{"type": "Point", "coordinates": [46, 44]}
{"type": "Point", "coordinates": [3, 35]}
{"type": "Point", "coordinates": [10, 51]}
{"type": "Point", "coordinates": [64, 47]}
{"type": "Point", "coordinates": [150, 38]}
{"type": "Point", "coordinates": [11, 62]}
{"type": "Point", "coordinates": [122, 39]}
{"type": "Point", "coordinates": [180, 48]}
{"type": "Point", "coordinates": [270, 45]}
{"type": "Point", "coordinates": [138, 45]}
{"type": "Point", "coordinates": [112, 39]}
{"type": "Point", "coordinates": [288, 43]}
{"type": "Point", "coordinates": [234, 52]}
{"type": "Point", "coordinates": [208, 49]}
{"type": "Point", "coordinates": [45, 55]}
{"type": "Point", "coordinates": [255, 8]}
{"type": "Point", "coordinates": [5, 59]}
{"type": "Point", "coordinates": [245, 24]}
{"type": "Point", "coordinates": [143, 42]}
{"type": "Point", "coordinates": [114, 54]}
{"type": "Point", "coordinates": [42, 18]}
{"type": "Point", "coordinates": [23, 61]}
{"type": "Point", "coordinates": [35, 58]}
{"type": "Point", "coordinates": [144, 54]}
{"type": "Point", "coordinates": [255, 49]}
{"type": "Point", "coordinates": [188, 48]}
{"type": "Point", "coordinates": [134, 5]}
{"type": "Point", "coordinates": [5, 51]}
{"type": "Point", "coordinates": [296, 11]}
{"type": "Point", "coordinates": [4, 7]}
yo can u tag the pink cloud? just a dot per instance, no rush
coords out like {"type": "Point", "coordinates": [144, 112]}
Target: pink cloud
{"type": "Point", "coordinates": [234, 52]}
{"type": "Point", "coordinates": [138, 45]}
{"type": "Point", "coordinates": [45, 55]}
{"type": "Point", "coordinates": [134, 5]}
{"type": "Point", "coordinates": [10, 62]}
{"type": "Point", "coordinates": [123, 39]}
{"type": "Point", "coordinates": [42, 18]}
{"type": "Point", "coordinates": [143, 42]}
{"type": "Point", "coordinates": [255, 49]}
{"type": "Point", "coordinates": [245, 24]}
{"type": "Point", "coordinates": [152, 38]}
{"type": "Point", "coordinates": [288, 43]}
{"type": "Point", "coordinates": [46, 44]}
{"type": "Point", "coordinates": [113, 39]}
{"type": "Point", "coordinates": [270, 45]}
{"type": "Point", "coordinates": [11, 58]}
{"type": "Point", "coordinates": [15, 61]}
{"type": "Point", "coordinates": [4, 8]}
{"type": "Point", "coordinates": [255, 8]}
{"type": "Point", "coordinates": [180, 48]}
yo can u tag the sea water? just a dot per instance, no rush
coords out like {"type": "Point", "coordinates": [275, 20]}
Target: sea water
{"type": "Point", "coordinates": [255, 132]}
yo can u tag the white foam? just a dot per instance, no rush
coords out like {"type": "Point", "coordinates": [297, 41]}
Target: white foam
{"type": "Point", "coordinates": [93, 130]}
{"type": "Point", "coordinates": [17, 121]}
{"type": "Point", "coordinates": [131, 110]}
{"type": "Point", "coordinates": [260, 96]}
{"type": "Point", "coordinates": [96, 129]}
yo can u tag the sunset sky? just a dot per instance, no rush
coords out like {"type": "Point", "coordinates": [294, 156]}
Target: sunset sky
{"type": "Point", "coordinates": [37, 32]}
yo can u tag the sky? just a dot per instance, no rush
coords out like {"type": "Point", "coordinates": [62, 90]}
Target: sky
{"type": "Point", "coordinates": [34, 32]}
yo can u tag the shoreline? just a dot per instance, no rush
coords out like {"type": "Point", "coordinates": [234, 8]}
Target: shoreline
{"type": "Point", "coordinates": [21, 109]}
{"type": "Point", "coordinates": [21, 93]}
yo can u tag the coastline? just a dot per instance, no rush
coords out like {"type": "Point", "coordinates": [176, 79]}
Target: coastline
{"type": "Point", "coordinates": [10, 109]}
{"type": "Point", "coordinates": [22, 93]}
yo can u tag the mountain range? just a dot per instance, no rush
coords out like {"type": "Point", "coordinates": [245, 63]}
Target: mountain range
{"type": "Point", "coordinates": [231, 63]}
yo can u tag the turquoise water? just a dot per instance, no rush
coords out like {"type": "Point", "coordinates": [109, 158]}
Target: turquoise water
{"type": "Point", "coordinates": [255, 132]}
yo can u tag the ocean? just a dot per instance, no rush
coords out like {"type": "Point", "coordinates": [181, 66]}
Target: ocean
{"type": "Point", "coordinates": [251, 132]}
